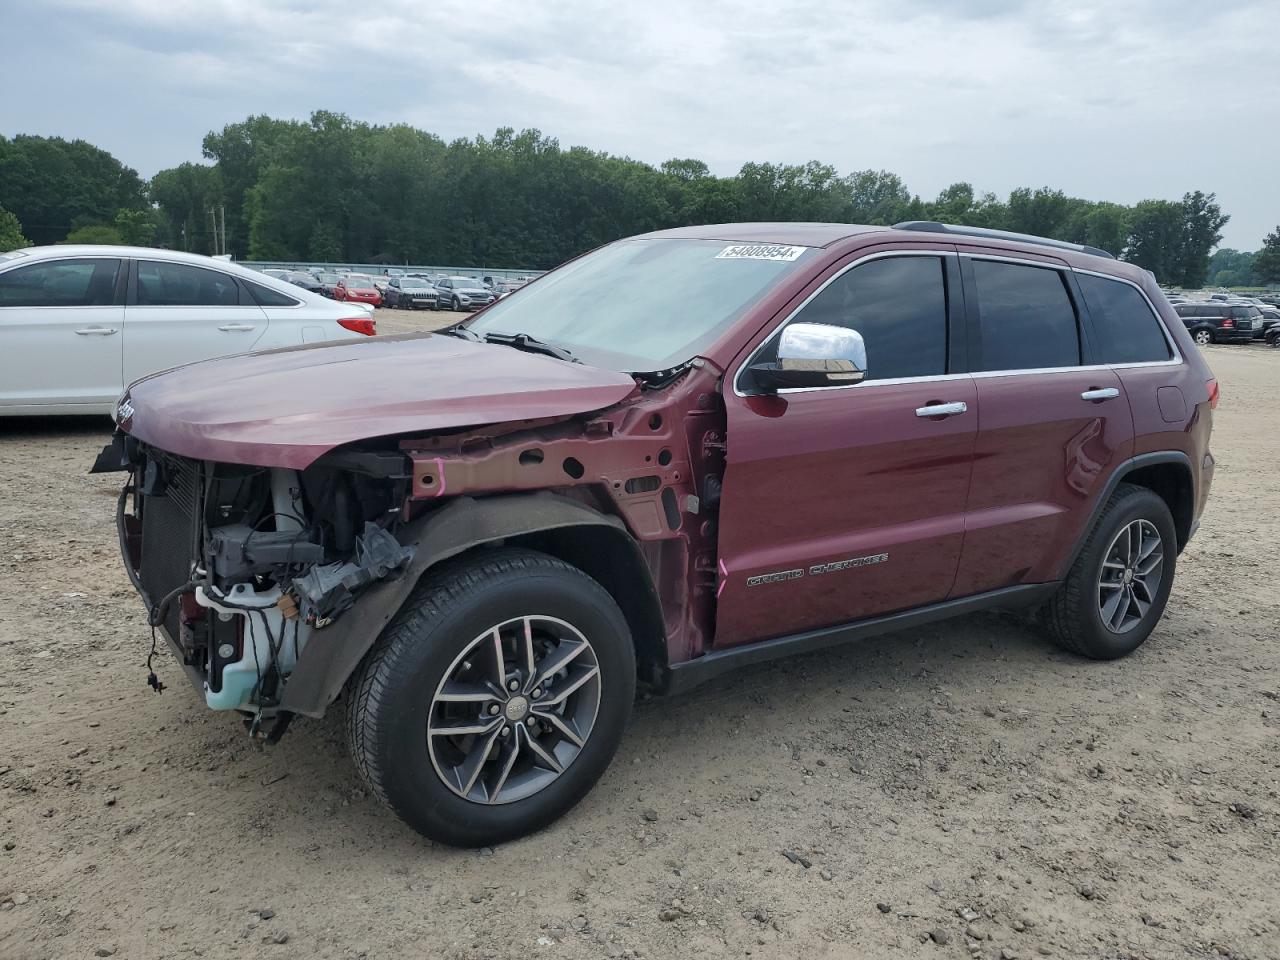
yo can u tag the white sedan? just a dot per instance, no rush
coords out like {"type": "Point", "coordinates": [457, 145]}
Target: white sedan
{"type": "Point", "coordinates": [80, 323]}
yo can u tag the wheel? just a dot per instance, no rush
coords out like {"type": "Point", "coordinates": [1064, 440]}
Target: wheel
{"type": "Point", "coordinates": [1203, 337]}
{"type": "Point", "coordinates": [1116, 591]}
{"type": "Point", "coordinates": [495, 699]}
{"type": "Point", "coordinates": [457, 305]}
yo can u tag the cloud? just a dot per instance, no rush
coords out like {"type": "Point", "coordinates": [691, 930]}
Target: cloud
{"type": "Point", "coordinates": [1108, 100]}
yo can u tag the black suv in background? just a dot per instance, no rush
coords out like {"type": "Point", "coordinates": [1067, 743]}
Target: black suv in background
{"type": "Point", "coordinates": [1218, 322]}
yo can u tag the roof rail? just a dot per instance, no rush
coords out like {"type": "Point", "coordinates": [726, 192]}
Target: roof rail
{"type": "Point", "coordinates": [932, 226]}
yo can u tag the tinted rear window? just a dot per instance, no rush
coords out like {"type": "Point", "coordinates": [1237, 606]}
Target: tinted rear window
{"type": "Point", "coordinates": [182, 285]}
{"type": "Point", "coordinates": [1127, 329]}
{"type": "Point", "coordinates": [1025, 316]}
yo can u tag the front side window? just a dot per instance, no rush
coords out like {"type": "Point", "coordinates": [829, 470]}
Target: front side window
{"type": "Point", "coordinates": [1025, 317]}
{"type": "Point", "coordinates": [898, 305]}
{"type": "Point", "coordinates": [1128, 332]}
{"type": "Point", "coordinates": [163, 284]}
{"type": "Point", "coordinates": [60, 283]}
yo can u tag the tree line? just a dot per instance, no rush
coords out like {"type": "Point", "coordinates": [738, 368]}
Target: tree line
{"type": "Point", "coordinates": [335, 189]}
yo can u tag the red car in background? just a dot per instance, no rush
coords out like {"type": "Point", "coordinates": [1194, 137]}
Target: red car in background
{"type": "Point", "coordinates": [357, 287]}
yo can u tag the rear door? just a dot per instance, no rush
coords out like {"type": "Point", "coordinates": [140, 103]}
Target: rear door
{"type": "Point", "coordinates": [61, 325]}
{"type": "Point", "coordinates": [179, 313]}
{"type": "Point", "coordinates": [841, 503]}
{"type": "Point", "coordinates": [1052, 422]}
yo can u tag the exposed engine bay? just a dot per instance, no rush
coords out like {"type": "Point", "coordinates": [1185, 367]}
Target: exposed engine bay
{"type": "Point", "coordinates": [242, 566]}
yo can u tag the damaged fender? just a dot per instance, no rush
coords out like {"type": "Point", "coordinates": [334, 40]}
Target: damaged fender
{"type": "Point", "coordinates": [334, 652]}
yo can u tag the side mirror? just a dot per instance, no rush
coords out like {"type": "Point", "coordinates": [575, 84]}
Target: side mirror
{"type": "Point", "coordinates": [814, 355]}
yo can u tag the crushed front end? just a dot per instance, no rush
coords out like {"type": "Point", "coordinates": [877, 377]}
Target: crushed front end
{"type": "Point", "coordinates": [240, 566]}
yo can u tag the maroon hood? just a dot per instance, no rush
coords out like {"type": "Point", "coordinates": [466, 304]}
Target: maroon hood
{"type": "Point", "coordinates": [284, 408]}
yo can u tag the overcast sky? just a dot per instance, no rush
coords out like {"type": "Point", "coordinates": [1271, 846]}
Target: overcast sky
{"type": "Point", "coordinates": [1106, 99]}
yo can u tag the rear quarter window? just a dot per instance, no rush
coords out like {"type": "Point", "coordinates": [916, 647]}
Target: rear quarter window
{"type": "Point", "coordinates": [266, 297]}
{"type": "Point", "coordinates": [1128, 331]}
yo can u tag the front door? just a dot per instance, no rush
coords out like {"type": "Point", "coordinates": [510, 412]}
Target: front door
{"type": "Point", "coordinates": [842, 503]}
{"type": "Point", "coordinates": [181, 313]}
{"type": "Point", "coordinates": [61, 329]}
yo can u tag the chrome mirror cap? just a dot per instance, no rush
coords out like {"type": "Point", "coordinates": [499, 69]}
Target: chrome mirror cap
{"type": "Point", "coordinates": [822, 352]}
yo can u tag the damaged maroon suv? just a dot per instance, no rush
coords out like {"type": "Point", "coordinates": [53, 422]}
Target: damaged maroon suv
{"type": "Point", "coordinates": [680, 453]}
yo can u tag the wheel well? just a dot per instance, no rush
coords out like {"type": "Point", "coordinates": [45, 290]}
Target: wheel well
{"type": "Point", "coordinates": [1172, 483]}
{"type": "Point", "coordinates": [607, 556]}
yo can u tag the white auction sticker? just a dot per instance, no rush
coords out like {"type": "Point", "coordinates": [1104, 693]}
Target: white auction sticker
{"type": "Point", "coordinates": [760, 251]}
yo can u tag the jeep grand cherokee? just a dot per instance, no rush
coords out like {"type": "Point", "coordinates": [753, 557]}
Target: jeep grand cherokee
{"type": "Point", "coordinates": [682, 452]}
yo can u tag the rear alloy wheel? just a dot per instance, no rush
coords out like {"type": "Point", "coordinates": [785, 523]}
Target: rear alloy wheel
{"type": "Point", "coordinates": [1203, 337]}
{"type": "Point", "coordinates": [495, 699]}
{"type": "Point", "coordinates": [1129, 580]}
{"type": "Point", "coordinates": [1117, 588]}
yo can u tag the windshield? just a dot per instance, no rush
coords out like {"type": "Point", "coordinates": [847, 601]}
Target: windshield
{"type": "Point", "coordinates": [466, 283]}
{"type": "Point", "coordinates": [327, 277]}
{"type": "Point", "coordinates": [413, 284]}
{"type": "Point", "coordinates": [643, 305]}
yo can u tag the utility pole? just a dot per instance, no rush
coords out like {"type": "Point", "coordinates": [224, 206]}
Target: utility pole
{"type": "Point", "coordinates": [222, 210]}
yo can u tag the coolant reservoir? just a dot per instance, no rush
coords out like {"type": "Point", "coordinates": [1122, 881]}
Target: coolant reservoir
{"type": "Point", "coordinates": [263, 643]}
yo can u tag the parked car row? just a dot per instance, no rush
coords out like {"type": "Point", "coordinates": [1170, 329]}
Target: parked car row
{"type": "Point", "coordinates": [1227, 321]}
{"type": "Point", "coordinates": [402, 291]}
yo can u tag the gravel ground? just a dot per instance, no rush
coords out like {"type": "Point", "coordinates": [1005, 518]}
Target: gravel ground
{"type": "Point", "coordinates": [962, 789]}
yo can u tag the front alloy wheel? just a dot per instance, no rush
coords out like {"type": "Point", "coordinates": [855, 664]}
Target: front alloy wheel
{"type": "Point", "coordinates": [496, 697]}
{"type": "Point", "coordinates": [514, 710]}
{"type": "Point", "coordinates": [1203, 337]}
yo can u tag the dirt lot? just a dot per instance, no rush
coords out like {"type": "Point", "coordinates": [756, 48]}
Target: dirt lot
{"type": "Point", "coordinates": [1077, 809]}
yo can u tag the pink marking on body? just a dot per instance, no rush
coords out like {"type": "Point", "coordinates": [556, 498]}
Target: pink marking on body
{"type": "Point", "coordinates": [724, 575]}
{"type": "Point", "coordinates": [439, 462]}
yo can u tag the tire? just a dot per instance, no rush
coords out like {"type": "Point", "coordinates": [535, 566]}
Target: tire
{"type": "Point", "coordinates": [1075, 616]}
{"type": "Point", "coordinates": [1203, 337]}
{"type": "Point", "coordinates": [457, 307]}
{"type": "Point", "coordinates": [393, 697]}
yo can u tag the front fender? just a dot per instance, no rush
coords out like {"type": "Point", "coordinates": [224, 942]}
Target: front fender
{"type": "Point", "coordinates": [334, 652]}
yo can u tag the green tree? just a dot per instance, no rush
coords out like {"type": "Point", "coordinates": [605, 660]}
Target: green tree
{"type": "Point", "coordinates": [1155, 239]}
{"type": "Point", "coordinates": [11, 237]}
{"type": "Point", "coordinates": [187, 197]}
{"type": "Point", "coordinates": [1266, 265]}
{"type": "Point", "coordinates": [1231, 268]}
{"type": "Point", "coordinates": [53, 185]}
{"type": "Point", "coordinates": [94, 233]}
{"type": "Point", "coordinates": [136, 227]}
{"type": "Point", "coordinates": [1202, 223]}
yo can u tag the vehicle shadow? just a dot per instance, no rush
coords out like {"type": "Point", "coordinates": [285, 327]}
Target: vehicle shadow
{"type": "Point", "coordinates": [843, 691]}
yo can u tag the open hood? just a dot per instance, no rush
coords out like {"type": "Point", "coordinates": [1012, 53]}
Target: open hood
{"type": "Point", "coordinates": [285, 408]}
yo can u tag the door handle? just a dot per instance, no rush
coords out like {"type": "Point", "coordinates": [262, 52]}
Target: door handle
{"type": "Point", "coordinates": [1100, 393]}
{"type": "Point", "coordinates": [942, 409]}
{"type": "Point", "coordinates": [96, 331]}
{"type": "Point", "coordinates": [236, 327]}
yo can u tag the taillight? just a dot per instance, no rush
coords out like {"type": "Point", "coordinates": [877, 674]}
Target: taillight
{"type": "Point", "coordinates": [363, 325]}
{"type": "Point", "coordinates": [1228, 324]}
{"type": "Point", "coordinates": [1213, 394]}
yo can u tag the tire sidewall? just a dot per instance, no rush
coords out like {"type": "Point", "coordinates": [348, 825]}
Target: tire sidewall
{"type": "Point", "coordinates": [414, 789]}
{"type": "Point", "coordinates": [1140, 505]}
